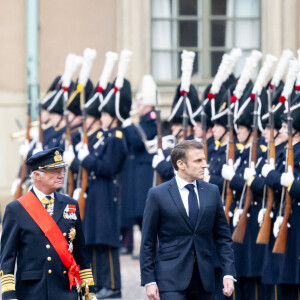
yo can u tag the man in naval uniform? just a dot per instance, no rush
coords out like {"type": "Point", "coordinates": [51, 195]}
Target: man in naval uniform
{"type": "Point", "coordinates": [42, 230]}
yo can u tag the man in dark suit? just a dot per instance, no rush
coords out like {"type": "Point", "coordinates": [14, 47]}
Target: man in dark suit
{"type": "Point", "coordinates": [183, 219]}
{"type": "Point", "coordinates": [42, 233]}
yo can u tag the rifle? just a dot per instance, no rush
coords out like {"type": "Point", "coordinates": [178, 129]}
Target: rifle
{"type": "Point", "coordinates": [159, 179]}
{"type": "Point", "coordinates": [185, 117]}
{"type": "Point", "coordinates": [204, 128]}
{"type": "Point", "coordinates": [280, 243]}
{"type": "Point", "coordinates": [69, 180]}
{"type": "Point", "coordinates": [230, 155]}
{"type": "Point", "coordinates": [19, 190]}
{"type": "Point", "coordinates": [263, 236]}
{"type": "Point", "coordinates": [240, 230]}
{"type": "Point", "coordinates": [84, 172]}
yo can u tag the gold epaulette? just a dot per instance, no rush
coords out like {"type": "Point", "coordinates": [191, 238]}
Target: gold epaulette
{"type": "Point", "coordinates": [119, 134]}
{"type": "Point", "coordinates": [86, 276]}
{"type": "Point", "coordinates": [7, 282]}
{"type": "Point", "coordinates": [240, 146]}
{"type": "Point", "coordinates": [263, 148]}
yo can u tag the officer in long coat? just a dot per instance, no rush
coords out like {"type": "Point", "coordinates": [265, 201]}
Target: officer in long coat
{"type": "Point", "coordinates": [104, 161]}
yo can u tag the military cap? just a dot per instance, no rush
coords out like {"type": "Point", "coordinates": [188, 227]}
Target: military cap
{"type": "Point", "coordinates": [46, 160]}
{"type": "Point", "coordinates": [74, 104]}
{"type": "Point", "coordinates": [118, 108]}
{"type": "Point", "coordinates": [192, 101]}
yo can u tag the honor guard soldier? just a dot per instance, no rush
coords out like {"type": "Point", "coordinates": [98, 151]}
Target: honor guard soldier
{"type": "Point", "coordinates": [104, 161]}
{"type": "Point", "coordinates": [290, 282]}
{"type": "Point", "coordinates": [161, 161]}
{"type": "Point", "coordinates": [137, 174]}
{"type": "Point", "coordinates": [248, 202]}
{"type": "Point", "coordinates": [42, 236]}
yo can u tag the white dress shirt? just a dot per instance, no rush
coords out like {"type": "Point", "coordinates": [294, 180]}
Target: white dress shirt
{"type": "Point", "coordinates": [40, 195]}
{"type": "Point", "coordinates": [184, 192]}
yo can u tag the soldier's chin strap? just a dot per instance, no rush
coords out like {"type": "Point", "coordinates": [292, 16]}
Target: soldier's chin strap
{"type": "Point", "coordinates": [70, 122]}
{"type": "Point", "coordinates": [226, 130]}
{"type": "Point", "coordinates": [92, 124]}
{"type": "Point", "coordinates": [109, 126]}
{"type": "Point", "coordinates": [61, 118]}
{"type": "Point", "coordinates": [276, 135]}
{"type": "Point", "coordinates": [248, 137]}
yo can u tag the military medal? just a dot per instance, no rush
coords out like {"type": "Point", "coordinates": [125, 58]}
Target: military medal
{"type": "Point", "coordinates": [70, 212]}
{"type": "Point", "coordinates": [71, 235]}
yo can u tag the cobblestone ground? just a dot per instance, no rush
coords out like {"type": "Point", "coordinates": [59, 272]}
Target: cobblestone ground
{"type": "Point", "coordinates": [131, 284]}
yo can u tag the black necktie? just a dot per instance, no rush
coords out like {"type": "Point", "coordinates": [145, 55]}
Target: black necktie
{"type": "Point", "coordinates": [193, 205]}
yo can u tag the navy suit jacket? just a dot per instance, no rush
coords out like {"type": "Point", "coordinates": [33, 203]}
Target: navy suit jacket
{"type": "Point", "coordinates": [169, 244]}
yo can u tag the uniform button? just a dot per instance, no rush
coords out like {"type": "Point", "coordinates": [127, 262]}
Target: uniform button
{"type": "Point", "coordinates": [64, 234]}
{"type": "Point", "coordinates": [115, 181]}
{"type": "Point", "coordinates": [49, 271]}
{"type": "Point", "coordinates": [255, 203]}
{"type": "Point", "coordinates": [49, 258]}
{"type": "Point", "coordinates": [298, 203]}
{"type": "Point", "coordinates": [109, 134]}
{"type": "Point", "coordinates": [94, 177]}
{"type": "Point", "coordinates": [245, 161]}
{"type": "Point", "coordinates": [64, 272]}
{"type": "Point", "coordinates": [115, 199]}
{"type": "Point", "coordinates": [48, 246]}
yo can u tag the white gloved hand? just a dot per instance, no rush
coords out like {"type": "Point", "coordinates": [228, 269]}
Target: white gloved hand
{"type": "Point", "coordinates": [69, 155]}
{"type": "Point", "coordinates": [14, 186]}
{"type": "Point", "coordinates": [249, 172]}
{"type": "Point", "coordinates": [236, 217]}
{"type": "Point", "coordinates": [277, 225]}
{"type": "Point", "coordinates": [24, 148]}
{"type": "Point", "coordinates": [287, 178]}
{"type": "Point", "coordinates": [168, 141]}
{"type": "Point", "coordinates": [260, 216]}
{"type": "Point", "coordinates": [78, 146]}
{"type": "Point", "coordinates": [151, 146]}
{"type": "Point", "coordinates": [126, 123]}
{"type": "Point", "coordinates": [38, 148]}
{"type": "Point", "coordinates": [34, 133]}
{"type": "Point", "coordinates": [159, 157]}
{"type": "Point", "coordinates": [83, 152]}
{"type": "Point", "coordinates": [228, 170]}
{"type": "Point", "coordinates": [76, 193]}
{"type": "Point", "coordinates": [267, 168]}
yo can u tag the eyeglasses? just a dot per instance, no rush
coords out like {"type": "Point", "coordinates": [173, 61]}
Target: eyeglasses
{"type": "Point", "coordinates": [55, 171]}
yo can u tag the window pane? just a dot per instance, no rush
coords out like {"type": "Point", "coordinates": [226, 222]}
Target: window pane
{"type": "Point", "coordinates": [187, 7]}
{"type": "Point", "coordinates": [163, 35]}
{"type": "Point", "coordinates": [161, 8]}
{"type": "Point", "coordinates": [188, 33]}
{"type": "Point", "coordinates": [240, 65]}
{"type": "Point", "coordinates": [218, 7]}
{"type": "Point", "coordinates": [221, 33]}
{"type": "Point", "coordinates": [247, 8]}
{"type": "Point", "coordinates": [164, 65]}
{"type": "Point", "coordinates": [216, 58]}
{"type": "Point", "coordinates": [247, 34]}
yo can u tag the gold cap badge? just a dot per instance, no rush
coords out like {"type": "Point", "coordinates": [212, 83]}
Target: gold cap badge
{"type": "Point", "coordinates": [57, 156]}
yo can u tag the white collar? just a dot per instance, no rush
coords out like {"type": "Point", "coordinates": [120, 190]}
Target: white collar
{"type": "Point", "coordinates": [182, 183]}
{"type": "Point", "coordinates": [40, 195]}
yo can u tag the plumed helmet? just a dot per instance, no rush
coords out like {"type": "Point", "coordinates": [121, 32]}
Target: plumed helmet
{"type": "Point", "coordinates": [74, 104]}
{"type": "Point", "coordinates": [146, 94]}
{"type": "Point", "coordinates": [56, 96]}
{"type": "Point", "coordinates": [118, 106]}
{"type": "Point", "coordinates": [192, 102]}
{"type": "Point", "coordinates": [97, 97]}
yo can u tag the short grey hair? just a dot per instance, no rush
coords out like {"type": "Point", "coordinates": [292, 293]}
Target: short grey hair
{"type": "Point", "coordinates": [32, 175]}
{"type": "Point", "coordinates": [179, 151]}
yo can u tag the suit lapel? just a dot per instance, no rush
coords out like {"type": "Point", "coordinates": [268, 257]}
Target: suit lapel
{"type": "Point", "coordinates": [202, 199]}
{"type": "Point", "coordinates": [174, 191]}
{"type": "Point", "coordinates": [59, 207]}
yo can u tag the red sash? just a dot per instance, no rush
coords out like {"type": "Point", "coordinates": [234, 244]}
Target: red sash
{"type": "Point", "coordinates": [46, 223]}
